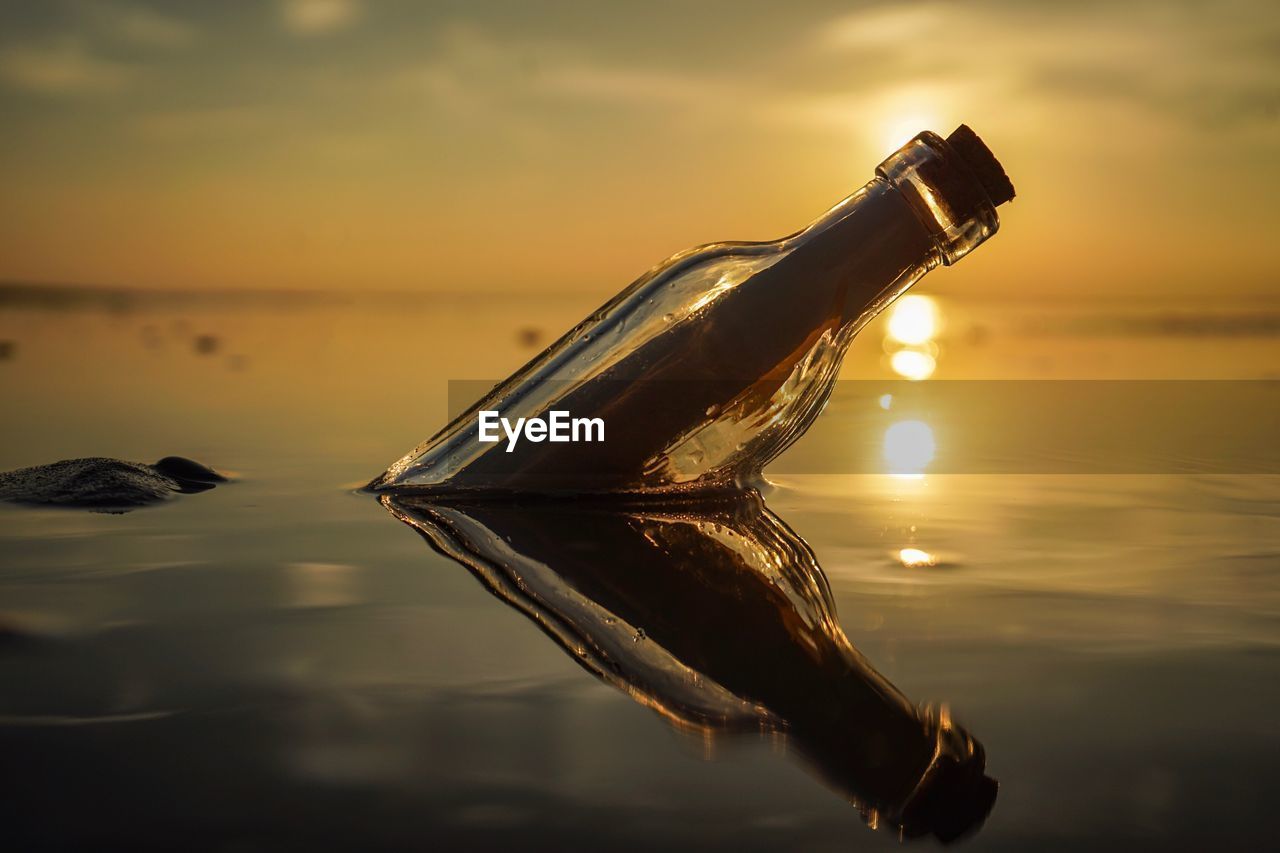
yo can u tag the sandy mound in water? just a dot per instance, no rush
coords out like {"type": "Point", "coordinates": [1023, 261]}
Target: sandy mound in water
{"type": "Point", "coordinates": [106, 485]}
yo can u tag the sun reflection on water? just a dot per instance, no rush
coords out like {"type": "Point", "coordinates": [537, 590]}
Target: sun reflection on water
{"type": "Point", "coordinates": [912, 326]}
{"type": "Point", "coordinates": [909, 447]}
{"type": "Point", "coordinates": [913, 323]}
{"type": "Point", "coordinates": [914, 320]}
{"type": "Point", "coordinates": [914, 558]}
{"type": "Point", "coordinates": [913, 364]}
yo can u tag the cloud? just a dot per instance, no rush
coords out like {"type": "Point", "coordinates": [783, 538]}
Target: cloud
{"type": "Point", "coordinates": [878, 26]}
{"type": "Point", "coordinates": [144, 27]}
{"type": "Point", "coordinates": [1175, 63]}
{"type": "Point", "coordinates": [62, 68]}
{"type": "Point", "coordinates": [204, 123]}
{"type": "Point", "coordinates": [471, 70]}
{"type": "Point", "coordinates": [634, 86]}
{"type": "Point", "coordinates": [317, 17]}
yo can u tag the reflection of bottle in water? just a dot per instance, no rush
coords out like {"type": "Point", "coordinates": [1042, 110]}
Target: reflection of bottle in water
{"type": "Point", "coordinates": [714, 362]}
{"type": "Point", "coordinates": [716, 615]}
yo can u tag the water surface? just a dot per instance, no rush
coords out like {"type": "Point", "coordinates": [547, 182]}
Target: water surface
{"type": "Point", "coordinates": [281, 663]}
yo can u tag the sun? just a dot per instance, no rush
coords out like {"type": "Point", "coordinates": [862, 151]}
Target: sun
{"type": "Point", "coordinates": [898, 130]}
{"type": "Point", "coordinates": [899, 114]}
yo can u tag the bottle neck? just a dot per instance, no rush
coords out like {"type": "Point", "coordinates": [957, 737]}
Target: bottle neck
{"type": "Point", "coordinates": [925, 208]}
{"type": "Point", "coordinates": [945, 192]}
{"type": "Point", "coordinates": [853, 261]}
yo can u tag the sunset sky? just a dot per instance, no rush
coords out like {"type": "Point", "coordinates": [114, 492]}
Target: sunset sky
{"type": "Point", "coordinates": [568, 146]}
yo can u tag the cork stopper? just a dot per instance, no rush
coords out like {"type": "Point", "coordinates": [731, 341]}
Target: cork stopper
{"type": "Point", "coordinates": [982, 163]}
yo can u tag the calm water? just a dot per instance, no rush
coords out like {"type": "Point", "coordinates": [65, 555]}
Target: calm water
{"type": "Point", "coordinates": [280, 663]}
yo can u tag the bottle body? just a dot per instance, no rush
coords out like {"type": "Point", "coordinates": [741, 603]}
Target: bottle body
{"type": "Point", "coordinates": [713, 363]}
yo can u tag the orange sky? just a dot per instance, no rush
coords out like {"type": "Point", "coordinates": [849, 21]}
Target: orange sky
{"type": "Point", "coordinates": [570, 145]}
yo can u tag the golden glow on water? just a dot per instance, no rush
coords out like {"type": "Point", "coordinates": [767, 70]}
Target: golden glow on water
{"type": "Point", "coordinates": [913, 364]}
{"type": "Point", "coordinates": [914, 558]}
{"type": "Point", "coordinates": [913, 322]}
{"type": "Point", "coordinates": [909, 447]}
{"type": "Point", "coordinates": [1018, 578]}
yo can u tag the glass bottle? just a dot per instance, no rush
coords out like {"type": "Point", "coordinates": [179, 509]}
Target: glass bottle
{"type": "Point", "coordinates": [712, 363]}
